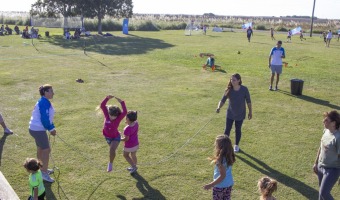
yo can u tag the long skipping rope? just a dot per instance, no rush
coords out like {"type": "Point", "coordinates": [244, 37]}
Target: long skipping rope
{"type": "Point", "coordinates": [166, 158]}
{"type": "Point", "coordinates": [142, 164]}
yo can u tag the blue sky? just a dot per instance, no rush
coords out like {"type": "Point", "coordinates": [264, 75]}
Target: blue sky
{"type": "Point", "coordinates": [329, 9]}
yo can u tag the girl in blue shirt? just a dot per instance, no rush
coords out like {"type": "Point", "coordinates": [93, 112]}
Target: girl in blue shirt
{"type": "Point", "coordinates": [223, 159]}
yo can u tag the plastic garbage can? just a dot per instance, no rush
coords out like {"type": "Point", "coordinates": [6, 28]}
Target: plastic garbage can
{"type": "Point", "coordinates": [47, 34]}
{"type": "Point", "coordinates": [296, 86]}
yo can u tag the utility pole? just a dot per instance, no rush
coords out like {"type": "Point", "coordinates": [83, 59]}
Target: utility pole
{"type": "Point", "coordinates": [311, 26]}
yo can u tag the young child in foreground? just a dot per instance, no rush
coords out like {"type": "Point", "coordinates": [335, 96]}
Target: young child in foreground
{"type": "Point", "coordinates": [266, 187]}
{"type": "Point", "coordinates": [37, 188]}
{"type": "Point", "coordinates": [223, 159]}
{"type": "Point", "coordinates": [112, 118]}
{"type": "Point", "coordinates": [131, 140]}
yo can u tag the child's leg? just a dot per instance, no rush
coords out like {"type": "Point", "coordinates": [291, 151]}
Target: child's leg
{"type": "Point", "coordinates": [128, 159]}
{"type": "Point", "coordinates": [134, 157]}
{"type": "Point", "coordinates": [113, 146]}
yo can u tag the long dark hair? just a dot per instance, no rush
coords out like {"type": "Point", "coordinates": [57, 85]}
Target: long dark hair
{"type": "Point", "coordinates": [230, 85]}
{"type": "Point", "coordinates": [223, 150]}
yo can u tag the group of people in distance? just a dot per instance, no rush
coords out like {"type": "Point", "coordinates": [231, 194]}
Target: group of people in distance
{"type": "Point", "coordinates": [6, 30]}
{"type": "Point", "coordinates": [42, 121]}
{"type": "Point", "coordinates": [327, 162]}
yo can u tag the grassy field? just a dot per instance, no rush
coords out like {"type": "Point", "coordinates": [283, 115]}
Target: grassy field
{"type": "Point", "coordinates": [160, 74]}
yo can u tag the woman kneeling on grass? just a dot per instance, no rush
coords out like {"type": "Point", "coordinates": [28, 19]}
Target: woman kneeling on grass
{"type": "Point", "coordinates": [327, 162]}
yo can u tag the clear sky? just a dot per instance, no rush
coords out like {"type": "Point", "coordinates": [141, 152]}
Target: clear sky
{"type": "Point", "coordinates": [329, 9]}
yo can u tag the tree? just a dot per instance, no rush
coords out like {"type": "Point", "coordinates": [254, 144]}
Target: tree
{"type": "Point", "coordinates": [101, 8]}
{"type": "Point", "coordinates": [53, 8]}
{"type": "Point", "coordinates": [85, 8]}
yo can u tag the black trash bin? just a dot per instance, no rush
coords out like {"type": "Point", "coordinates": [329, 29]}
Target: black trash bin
{"type": "Point", "coordinates": [296, 86]}
{"type": "Point", "coordinates": [47, 34]}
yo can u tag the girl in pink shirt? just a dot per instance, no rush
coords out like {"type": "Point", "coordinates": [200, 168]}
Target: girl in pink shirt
{"type": "Point", "coordinates": [112, 118]}
{"type": "Point", "coordinates": [131, 140]}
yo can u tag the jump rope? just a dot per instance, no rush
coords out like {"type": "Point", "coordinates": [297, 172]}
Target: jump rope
{"type": "Point", "coordinates": [56, 170]}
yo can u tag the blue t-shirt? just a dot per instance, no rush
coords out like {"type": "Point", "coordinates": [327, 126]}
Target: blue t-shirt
{"type": "Point", "coordinates": [228, 180]}
{"type": "Point", "coordinates": [276, 54]}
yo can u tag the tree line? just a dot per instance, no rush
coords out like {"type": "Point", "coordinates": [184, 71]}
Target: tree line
{"type": "Point", "coordinates": [85, 8]}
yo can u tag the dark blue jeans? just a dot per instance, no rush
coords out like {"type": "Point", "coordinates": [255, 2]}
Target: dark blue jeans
{"type": "Point", "coordinates": [238, 125]}
{"type": "Point", "coordinates": [327, 179]}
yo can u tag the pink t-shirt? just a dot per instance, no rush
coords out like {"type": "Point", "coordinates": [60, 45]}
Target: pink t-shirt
{"type": "Point", "coordinates": [132, 132]}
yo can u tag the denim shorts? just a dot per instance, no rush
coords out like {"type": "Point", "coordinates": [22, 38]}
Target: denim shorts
{"type": "Point", "coordinates": [109, 140]}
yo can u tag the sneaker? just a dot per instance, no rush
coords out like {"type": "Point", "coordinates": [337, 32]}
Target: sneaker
{"type": "Point", "coordinates": [47, 177]}
{"type": "Point", "coordinates": [50, 171]}
{"type": "Point", "coordinates": [109, 167]}
{"type": "Point", "coordinates": [236, 148]}
{"type": "Point", "coordinates": [133, 170]}
{"type": "Point", "coordinates": [8, 131]}
{"type": "Point", "coordinates": [270, 88]}
{"type": "Point", "coordinates": [276, 88]}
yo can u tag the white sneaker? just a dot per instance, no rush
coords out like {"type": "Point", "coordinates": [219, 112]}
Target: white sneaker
{"type": "Point", "coordinates": [8, 131]}
{"type": "Point", "coordinates": [50, 171]}
{"type": "Point", "coordinates": [47, 177]}
{"type": "Point", "coordinates": [236, 148]}
{"type": "Point", "coordinates": [133, 170]}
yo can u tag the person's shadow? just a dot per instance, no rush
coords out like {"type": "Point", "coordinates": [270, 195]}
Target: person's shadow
{"type": "Point", "coordinates": [48, 190]}
{"type": "Point", "coordinates": [311, 99]}
{"type": "Point", "coordinates": [147, 191]}
{"type": "Point", "coordinates": [2, 144]}
{"type": "Point", "coordinates": [300, 187]}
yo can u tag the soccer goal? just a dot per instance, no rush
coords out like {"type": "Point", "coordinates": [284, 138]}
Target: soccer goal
{"type": "Point", "coordinates": [194, 27]}
{"type": "Point", "coordinates": [62, 22]}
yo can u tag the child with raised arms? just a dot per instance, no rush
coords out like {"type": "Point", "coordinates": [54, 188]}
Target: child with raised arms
{"type": "Point", "coordinates": [112, 118]}
{"type": "Point", "coordinates": [223, 159]}
{"type": "Point", "coordinates": [35, 180]}
{"type": "Point", "coordinates": [266, 187]}
{"type": "Point", "coordinates": [131, 140]}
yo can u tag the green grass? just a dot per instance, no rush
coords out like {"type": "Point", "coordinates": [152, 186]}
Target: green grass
{"type": "Point", "coordinates": [160, 75]}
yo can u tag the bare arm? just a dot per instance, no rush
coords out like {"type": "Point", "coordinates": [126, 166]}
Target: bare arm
{"type": "Point", "coordinates": [250, 113]}
{"type": "Point", "coordinates": [125, 138]}
{"type": "Point", "coordinates": [222, 176]}
{"type": "Point", "coordinates": [315, 166]}
{"type": "Point", "coordinates": [270, 58]}
{"type": "Point", "coordinates": [35, 193]}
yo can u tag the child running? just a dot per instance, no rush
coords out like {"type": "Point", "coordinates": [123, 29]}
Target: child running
{"type": "Point", "coordinates": [37, 188]}
{"type": "Point", "coordinates": [131, 140]}
{"type": "Point", "coordinates": [223, 159]}
{"type": "Point", "coordinates": [112, 117]}
{"type": "Point", "coordinates": [266, 187]}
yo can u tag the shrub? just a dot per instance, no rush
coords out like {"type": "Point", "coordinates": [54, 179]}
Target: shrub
{"type": "Point", "coordinates": [146, 26]}
{"type": "Point", "coordinates": [283, 29]}
{"type": "Point", "coordinates": [261, 27]}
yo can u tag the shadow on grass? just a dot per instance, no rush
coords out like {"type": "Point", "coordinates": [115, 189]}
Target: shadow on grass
{"type": "Point", "coordinates": [300, 187]}
{"type": "Point", "coordinates": [49, 193]}
{"type": "Point", "coordinates": [312, 100]}
{"type": "Point", "coordinates": [2, 144]}
{"type": "Point", "coordinates": [147, 191]}
{"type": "Point", "coordinates": [114, 45]}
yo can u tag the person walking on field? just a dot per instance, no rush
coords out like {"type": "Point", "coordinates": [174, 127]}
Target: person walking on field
{"type": "Point", "coordinates": [272, 33]}
{"type": "Point", "coordinates": [289, 36]}
{"type": "Point", "coordinates": [275, 63]}
{"type": "Point", "coordinates": [329, 37]}
{"type": "Point", "coordinates": [327, 162]}
{"type": "Point", "coordinates": [238, 96]}
{"type": "Point", "coordinates": [249, 33]}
